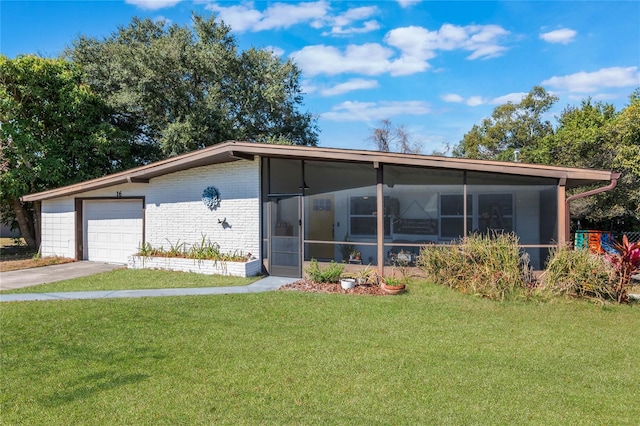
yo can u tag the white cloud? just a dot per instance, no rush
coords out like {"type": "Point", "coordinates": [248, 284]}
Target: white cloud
{"type": "Point", "coordinates": [475, 101]}
{"type": "Point", "coordinates": [343, 24]}
{"type": "Point", "coordinates": [277, 51]}
{"type": "Point", "coordinates": [368, 59]}
{"type": "Point", "coordinates": [153, 4]}
{"type": "Point", "coordinates": [479, 100]}
{"type": "Point", "coordinates": [563, 35]}
{"type": "Point", "coordinates": [284, 15]}
{"type": "Point", "coordinates": [162, 19]}
{"type": "Point", "coordinates": [365, 28]}
{"type": "Point", "coordinates": [585, 82]}
{"type": "Point", "coordinates": [452, 97]}
{"type": "Point", "coordinates": [407, 3]}
{"type": "Point", "coordinates": [416, 45]}
{"type": "Point", "coordinates": [483, 42]}
{"type": "Point", "coordinates": [514, 98]}
{"type": "Point", "coordinates": [349, 86]}
{"type": "Point", "coordinates": [355, 14]}
{"type": "Point", "coordinates": [372, 111]}
{"type": "Point", "coordinates": [246, 17]}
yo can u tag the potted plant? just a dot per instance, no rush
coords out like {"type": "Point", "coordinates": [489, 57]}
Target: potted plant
{"type": "Point", "coordinates": [346, 283]}
{"type": "Point", "coordinates": [363, 276]}
{"type": "Point", "coordinates": [346, 249]}
{"type": "Point", "coordinates": [355, 255]}
{"type": "Point", "coordinates": [392, 285]}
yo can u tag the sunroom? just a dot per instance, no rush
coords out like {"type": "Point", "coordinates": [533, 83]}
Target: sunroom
{"type": "Point", "coordinates": [381, 212]}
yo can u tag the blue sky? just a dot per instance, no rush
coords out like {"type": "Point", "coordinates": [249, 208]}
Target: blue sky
{"type": "Point", "coordinates": [435, 67]}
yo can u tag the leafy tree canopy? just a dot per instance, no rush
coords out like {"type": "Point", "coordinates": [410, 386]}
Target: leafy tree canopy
{"type": "Point", "coordinates": [183, 88]}
{"type": "Point", "coordinates": [512, 129]}
{"type": "Point", "coordinates": [54, 131]}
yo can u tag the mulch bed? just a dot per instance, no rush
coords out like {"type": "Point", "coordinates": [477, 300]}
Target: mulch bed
{"type": "Point", "coordinates": [314, 287]}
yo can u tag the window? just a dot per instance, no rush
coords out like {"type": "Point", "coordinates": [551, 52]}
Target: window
{"type": "Point", "coordinates": [363, 218]}
{"type": "Point", "coordinates": [452, 217]}
{"type": "Point", "coordinates": [495, 212]}
{"type": "Point", "coordinates": [485, 212]}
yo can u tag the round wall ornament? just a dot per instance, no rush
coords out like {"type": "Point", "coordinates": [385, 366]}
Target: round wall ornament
{"type": "Point", "coordinates": [211, 197]}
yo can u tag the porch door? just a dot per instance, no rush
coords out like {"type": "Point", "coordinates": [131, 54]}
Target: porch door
{"type": "Point", "coordinates": [285, 241]}
{"type": "Point", "coordinates": [320, 223]}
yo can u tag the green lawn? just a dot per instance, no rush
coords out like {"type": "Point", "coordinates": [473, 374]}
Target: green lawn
{"type": "Point", "coordinates": [430, 356]}
{"type": "Point", "coordinates": [137, 279]}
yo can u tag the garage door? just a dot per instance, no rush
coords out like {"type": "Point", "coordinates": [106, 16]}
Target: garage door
{"type": "Point", "coordinates": [112, 229]}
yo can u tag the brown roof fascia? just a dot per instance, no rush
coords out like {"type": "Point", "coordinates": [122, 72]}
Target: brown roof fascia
{"type": "Point", "coordinates": [235, 150]}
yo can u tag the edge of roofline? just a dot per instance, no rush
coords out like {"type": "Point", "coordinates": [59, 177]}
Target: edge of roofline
{"type": "Point", "coordinates": [236, 150]}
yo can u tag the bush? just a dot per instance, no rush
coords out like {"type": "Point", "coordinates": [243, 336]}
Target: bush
{"type": "Point", "coordinates": [329, 274]}
{"type": "Point", "coordinates": [489, 265]}
{"type": "Point", "coordinates": [578, 273]}
{"type": "Point", "coordinates": [205, 250]}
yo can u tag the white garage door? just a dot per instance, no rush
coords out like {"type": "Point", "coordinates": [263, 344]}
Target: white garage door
{"type": "Point", "coordinates": [112, 229]}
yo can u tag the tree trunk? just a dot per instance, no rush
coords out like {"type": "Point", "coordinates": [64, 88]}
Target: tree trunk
{"type": "Point", "coordinates": [25, 222]}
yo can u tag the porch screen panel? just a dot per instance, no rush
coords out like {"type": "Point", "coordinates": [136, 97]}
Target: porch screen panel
{"type": "Point", "coordinates": [524, 205]}
{"type": "Point", "coordinates": [425, 206]}
{"type": "Point", "coordinates": [339, 211]}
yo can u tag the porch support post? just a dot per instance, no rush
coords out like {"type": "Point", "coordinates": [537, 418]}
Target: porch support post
{"type": "Point", "coordinates": [563, 231]}
{"type": "Point", "coordinates": [464, 204]}
{"type": "Point", "coordinates": [380, 217]}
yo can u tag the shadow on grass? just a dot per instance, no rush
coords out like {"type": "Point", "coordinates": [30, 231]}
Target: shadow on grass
{"type": "Point", "coordinates": [87, 386]}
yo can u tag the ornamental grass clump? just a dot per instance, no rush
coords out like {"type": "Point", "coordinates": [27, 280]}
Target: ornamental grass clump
{"type": "Point", "coordinates": [489, 265]}
{"type": "Point", "coordinates": [578, 273]}
{"type": "Point", "coordinates": [204, 250]}
{"type": "Point", "coordinates": [329, 274]}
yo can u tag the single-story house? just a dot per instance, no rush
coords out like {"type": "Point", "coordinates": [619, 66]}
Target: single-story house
{"type": "Point", "coordinates": [289, 204]}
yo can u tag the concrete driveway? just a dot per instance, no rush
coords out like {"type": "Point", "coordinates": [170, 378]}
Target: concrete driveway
{"type": "Point", "coordinates": [48, 274]}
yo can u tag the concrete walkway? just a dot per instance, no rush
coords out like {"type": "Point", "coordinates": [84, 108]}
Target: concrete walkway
{"type": "Point", "coordinates": [48, 274]}
{"type": "Point", "coordinates": [265, 284]}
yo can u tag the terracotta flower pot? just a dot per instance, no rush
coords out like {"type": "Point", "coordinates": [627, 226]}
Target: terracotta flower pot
{"type": "Point", "coordinates": [393, 289]}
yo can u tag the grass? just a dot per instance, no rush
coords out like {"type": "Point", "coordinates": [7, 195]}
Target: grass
{"type": "Point", "coordinates": [136, 279]}
{"type": "Point", "coordinates": [431, 356]}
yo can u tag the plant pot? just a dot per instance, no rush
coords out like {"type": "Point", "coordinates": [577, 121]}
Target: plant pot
{"type": "Point", "coordinates": [347, 283]}
{"type": "Point", "coordinates": [393, 289]}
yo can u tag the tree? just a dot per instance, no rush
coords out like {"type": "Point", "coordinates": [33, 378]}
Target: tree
{"type": "Point", "coordinates": [54, 131]}
{"type": "Point", "coordinates": [579, 137]}
{"type": "Point", "coordinates": [512, 128]}
{"type": "Point", "coordinates": [183, 88]}
{"type": "Point", "coordinates": [618, 149]}
{"type": "Point", "coordinates": [387, 137]}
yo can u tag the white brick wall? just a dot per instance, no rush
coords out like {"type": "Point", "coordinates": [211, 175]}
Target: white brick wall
{"type": "Point", "coordinates": [175, 212]}
{"type": "Point", "coordinates": [58, 228]}
{"type": "Point", "coordinates": [208, 267]}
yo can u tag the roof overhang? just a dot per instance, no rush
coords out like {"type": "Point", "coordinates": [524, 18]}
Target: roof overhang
{"type": "Point", "coordinates": [239, 151]}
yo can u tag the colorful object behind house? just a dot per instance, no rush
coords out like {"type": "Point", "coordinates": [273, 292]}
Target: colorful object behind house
{"type": "Point", "coordinates": [595, 241]}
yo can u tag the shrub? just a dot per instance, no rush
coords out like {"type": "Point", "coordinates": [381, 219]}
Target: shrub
{"type": "Point", "coordinates": [205, 250]}
{"type": "Point", "coordinates": [625, 262]}
{"type": "Point", "coordinates": [489, 265]}
{"type": "Point", "coordinates": [578, 273]}
{"type": "Point", "coordinates": [329, 274]}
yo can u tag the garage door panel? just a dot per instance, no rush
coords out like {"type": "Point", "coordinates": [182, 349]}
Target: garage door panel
{"type": "Point", "coordinates": [112, 229]}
